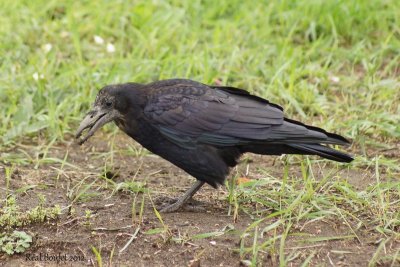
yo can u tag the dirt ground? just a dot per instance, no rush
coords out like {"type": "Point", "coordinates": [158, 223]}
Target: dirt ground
{"type": "Point", "coordinates": [112, 223]}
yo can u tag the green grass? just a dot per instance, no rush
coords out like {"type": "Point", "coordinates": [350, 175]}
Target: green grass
{"type": "Point", "coordinates": [293, 201]}
{"type": "Point", "coordinates": [334, 64]}
{"type": "Point", "coordinates": [286, 51]}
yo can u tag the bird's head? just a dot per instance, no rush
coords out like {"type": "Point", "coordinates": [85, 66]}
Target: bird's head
{"type": "Point", "coordinates": [110, 105]}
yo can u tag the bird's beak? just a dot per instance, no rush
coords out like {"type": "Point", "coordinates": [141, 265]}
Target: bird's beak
{"type": "Point", "coordinates": [94, 120]}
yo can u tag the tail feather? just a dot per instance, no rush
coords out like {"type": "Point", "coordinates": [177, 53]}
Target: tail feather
{"type": "Point", "coordinates": [331, 137]}
{"type": "Point", "coordinates": [302, 149]}
{"type": "Point", "coordinates": [322, 151]}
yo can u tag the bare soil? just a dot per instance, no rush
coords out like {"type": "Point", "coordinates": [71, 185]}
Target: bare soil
{"type": "Point", "coordinates": [112, 223]}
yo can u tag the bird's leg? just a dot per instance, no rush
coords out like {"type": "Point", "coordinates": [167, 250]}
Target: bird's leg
{"type": "Point", "coordinates": [182, 200]}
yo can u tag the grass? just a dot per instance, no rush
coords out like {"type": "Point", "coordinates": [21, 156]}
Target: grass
{"type": "Point", "coordinates": [300, 202]}
{"type": "Point", "coordinates": [12, 216]}
{"type": "Point", "coordinates": [334, 64]}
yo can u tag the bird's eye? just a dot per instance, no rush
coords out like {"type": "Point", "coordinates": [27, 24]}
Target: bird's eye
{"type": "Point", "coordinates": [108, 104]}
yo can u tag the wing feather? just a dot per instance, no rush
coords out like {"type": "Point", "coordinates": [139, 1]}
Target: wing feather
{"type": "Point", "coordinates": [189, 113]}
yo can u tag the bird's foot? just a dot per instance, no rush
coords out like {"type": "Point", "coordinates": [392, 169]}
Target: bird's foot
{"type": "Point", "coordinates": [167, 205]}
{"type": "Point", "coordinates": [188, 206]}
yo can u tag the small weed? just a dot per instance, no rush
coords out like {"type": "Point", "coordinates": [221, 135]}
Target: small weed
{"type": "Point", "coordinates": [131, 187]}
{"type": "Point", "coordinates": [12, 216]}
{"type": "Point", "coordinates": [97, 253]}
{"type": "Point", "coordinates": [17, 242]}
{"type": "Point", "coordinates": [88, 217]}
{"type": "Point", "coordinates": [137, 216]}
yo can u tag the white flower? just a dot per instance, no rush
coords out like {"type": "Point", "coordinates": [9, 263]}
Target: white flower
{"type": "Point", "coordinates": [36, 76]}
{"type": "Point", "coordinates": [47, 47]}
{"type": "Point", "coordinates": [98, 40]}
{"type": "Point", "coordinates": [335, 79]}
{"type": "Point", "coordinates": [110, 48]}
{"type": "Point", "coordinates": [213, 242]}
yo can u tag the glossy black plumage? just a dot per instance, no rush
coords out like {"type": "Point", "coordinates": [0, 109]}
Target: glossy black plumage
{"type": "Point", "coordinates": [204, 129]}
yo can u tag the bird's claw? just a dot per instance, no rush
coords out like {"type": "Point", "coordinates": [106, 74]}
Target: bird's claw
{"type": "Point", "coordinates": [164, 200]}
{"type": "Point", "coordinates": [168, 205]}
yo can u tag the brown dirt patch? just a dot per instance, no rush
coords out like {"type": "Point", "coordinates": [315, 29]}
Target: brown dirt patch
{"type": "Point", "coordinates": [112, 223]}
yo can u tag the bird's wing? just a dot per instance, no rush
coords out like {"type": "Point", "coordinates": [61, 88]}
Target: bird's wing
{"type": "Point", "coordinates": [188, 113]}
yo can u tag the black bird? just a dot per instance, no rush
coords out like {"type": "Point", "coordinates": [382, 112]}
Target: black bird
{"type": "Point", "coordinates": [204, 129]}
